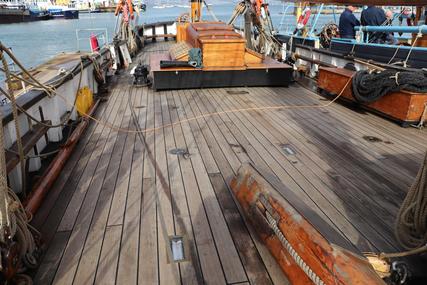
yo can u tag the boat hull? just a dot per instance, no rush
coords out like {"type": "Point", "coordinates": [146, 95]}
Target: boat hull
{"type": "Point", "coordinates": [21, 15]}
{"type": "Point", "coordinates": [66, 14]}
{"type": "Point", "coordinates": [291, 231]}
{"type": "Point", "coordinates": [71, 14]}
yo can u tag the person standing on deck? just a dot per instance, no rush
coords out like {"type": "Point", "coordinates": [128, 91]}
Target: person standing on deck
{"type": "Point", "coordinates": [375, 16]}
{"type": "Point", "coordinates": [347, 23]}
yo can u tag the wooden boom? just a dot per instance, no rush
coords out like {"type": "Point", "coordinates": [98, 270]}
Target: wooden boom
{"type": "Point", "coordinates": [371, 2]}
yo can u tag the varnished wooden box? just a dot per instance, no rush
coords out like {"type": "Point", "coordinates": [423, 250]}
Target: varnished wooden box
{"type": "Point", "coordinates": [221, 46]}
{"type": "Point", "coordinates": [405, 107]}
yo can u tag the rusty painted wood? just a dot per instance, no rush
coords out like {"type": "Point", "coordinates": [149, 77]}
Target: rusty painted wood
{"type": "Point", "coordinates": [261, 203]}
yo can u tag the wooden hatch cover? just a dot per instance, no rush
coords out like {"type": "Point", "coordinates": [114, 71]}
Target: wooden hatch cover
{"type": "Point", "coordinates": [307, 248]}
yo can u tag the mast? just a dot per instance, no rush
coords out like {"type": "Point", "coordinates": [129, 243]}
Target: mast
{"type": "Point", "coordinates": [196, 10]}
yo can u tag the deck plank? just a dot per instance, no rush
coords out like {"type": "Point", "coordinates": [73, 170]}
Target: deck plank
{"type": "Point", "coordinates": [47, 270]}
{"type": "Point", "coordinates": [106, 273]}
{"type": "Point", "coordinates": [271, 267]}
{"type": "Point", "coordinates": [169, 271]}
{"type": "Point", "coordinates": [190, 270]}
{"type": "Point", "coordinates": [272, 132]}
{"type": "Point", "coordinates": [52, 209]}
{"type": "Point", "coordinates": [75, 248]}
{"type": "Point", "coordinates": [312, 164]}
{"type": "Point", "coordinates": [92, 248]}
{"type": "Point", "coordinates": [229, 257]}
{"type": "Point", "coordinates": [148, 267]}
{"type": "Point", "coordinates": [360, 167]}
{"type": "Point", "coordinates": [127, 272]}
{"type": "Point", "coordinates": [208, 255]}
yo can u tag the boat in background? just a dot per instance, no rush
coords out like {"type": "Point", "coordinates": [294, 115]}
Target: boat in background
{"type": "Point", "coordinates": [19, 11]}
{"type": "Point", "coordinates": [59, 9]}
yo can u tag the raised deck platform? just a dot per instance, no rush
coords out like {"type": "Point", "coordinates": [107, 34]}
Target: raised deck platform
{"type": "Point", "coordinates": [268, 73]}
{"type": "Point", "coordinates": [108, 217]}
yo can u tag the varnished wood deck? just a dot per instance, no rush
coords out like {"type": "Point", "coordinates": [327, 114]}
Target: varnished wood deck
{"type": "Point", "coordinates": [108, 217]}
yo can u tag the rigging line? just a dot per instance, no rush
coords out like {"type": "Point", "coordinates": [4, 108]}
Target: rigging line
{"type": "Point", "coordinates": [210, 11]}
{"type": "Point", "coordinates": [15, 117]}
{"type": "Point", "coordinates": [20, 108]}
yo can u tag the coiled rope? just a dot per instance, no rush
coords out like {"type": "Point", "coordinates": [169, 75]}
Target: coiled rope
{"type": "Point", "coordinates": [411, 222]}
{"type": "Point", "coordinates": [14, 221]}
{"type": "Point", "coordinates": [411, 226]}
{"type": "Point", "coordinates": [370, 86]}
{"type": "Point", "coordinates": [127, 35]}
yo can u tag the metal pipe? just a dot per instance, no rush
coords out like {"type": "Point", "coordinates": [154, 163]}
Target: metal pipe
{"type": "Point", "coordinates": [40, 190]}
{"type": "Point", "coordinates": [316, 19]}
{"type": "Point", "coordinates": [397, 29]}
{"type": "Point", "coordinates": [315, 61]}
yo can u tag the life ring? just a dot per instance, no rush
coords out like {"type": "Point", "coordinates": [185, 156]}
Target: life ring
{"type": "Point", "coordinates": [303, 19]}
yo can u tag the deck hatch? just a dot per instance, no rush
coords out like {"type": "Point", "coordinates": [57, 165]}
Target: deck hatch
{"type": "Point", "coordinates": [177, 249]}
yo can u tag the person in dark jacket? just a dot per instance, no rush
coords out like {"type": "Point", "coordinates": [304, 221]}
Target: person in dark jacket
{"type": "Point", "coordinates": [375, 16]}
{"type": "Point", "coordinates": [347, 23]}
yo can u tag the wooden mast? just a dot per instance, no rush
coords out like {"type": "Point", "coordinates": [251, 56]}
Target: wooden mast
{"type": "Point", "coordinates": [196, 10]}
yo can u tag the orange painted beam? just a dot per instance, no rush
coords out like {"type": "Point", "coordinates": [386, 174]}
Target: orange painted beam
{"type": "Point", "coordinates": [303, 253]}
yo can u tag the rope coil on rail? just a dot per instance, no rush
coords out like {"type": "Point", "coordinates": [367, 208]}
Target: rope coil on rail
{"type": "Point", "coordinates": [370, 86]}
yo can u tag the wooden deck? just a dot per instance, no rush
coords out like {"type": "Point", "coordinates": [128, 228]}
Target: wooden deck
{"type": "Point", "coordinates": [108, 218]}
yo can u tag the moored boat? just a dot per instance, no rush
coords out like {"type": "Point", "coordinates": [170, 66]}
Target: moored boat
{"type": "Point", "coordinates": [65, 10]}
{"type": "Point", "coordinates": [15, 12]}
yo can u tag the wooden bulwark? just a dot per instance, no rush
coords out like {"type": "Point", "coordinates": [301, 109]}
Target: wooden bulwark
{"type": "Point", "coordinates": [29, 141]}
{"type": "Point", "coordinates": [107, 217]}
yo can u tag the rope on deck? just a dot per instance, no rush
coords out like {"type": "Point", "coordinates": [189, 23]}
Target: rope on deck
{"type": "Point", "coordinates": [411, 226]}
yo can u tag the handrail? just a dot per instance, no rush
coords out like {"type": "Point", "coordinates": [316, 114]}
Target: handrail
{"type": "Point", "coordinates": [103, 34]}
{"type": "Point", "coordinates": [397, 29]}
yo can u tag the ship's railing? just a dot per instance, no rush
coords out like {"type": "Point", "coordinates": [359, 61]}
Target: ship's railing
{"type": "Point", "coordinates": [421, 30]}
{"type": "Point", "coordinates": [396, 29]}
{"type": "Point", "coordinates": [84, 34]}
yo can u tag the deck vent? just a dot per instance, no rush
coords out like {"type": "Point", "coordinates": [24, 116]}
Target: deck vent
{"type": "Point", "coordinates": [177, 249]}
{"type": "Point", "coordinates": [288, 149]}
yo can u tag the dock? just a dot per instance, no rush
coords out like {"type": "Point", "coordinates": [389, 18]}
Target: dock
{"type": "Point", "coordinates": [123, 193]}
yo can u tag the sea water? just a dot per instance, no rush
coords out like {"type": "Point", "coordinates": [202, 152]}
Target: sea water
{"type": "Point", "coordinates": [36, 42]}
